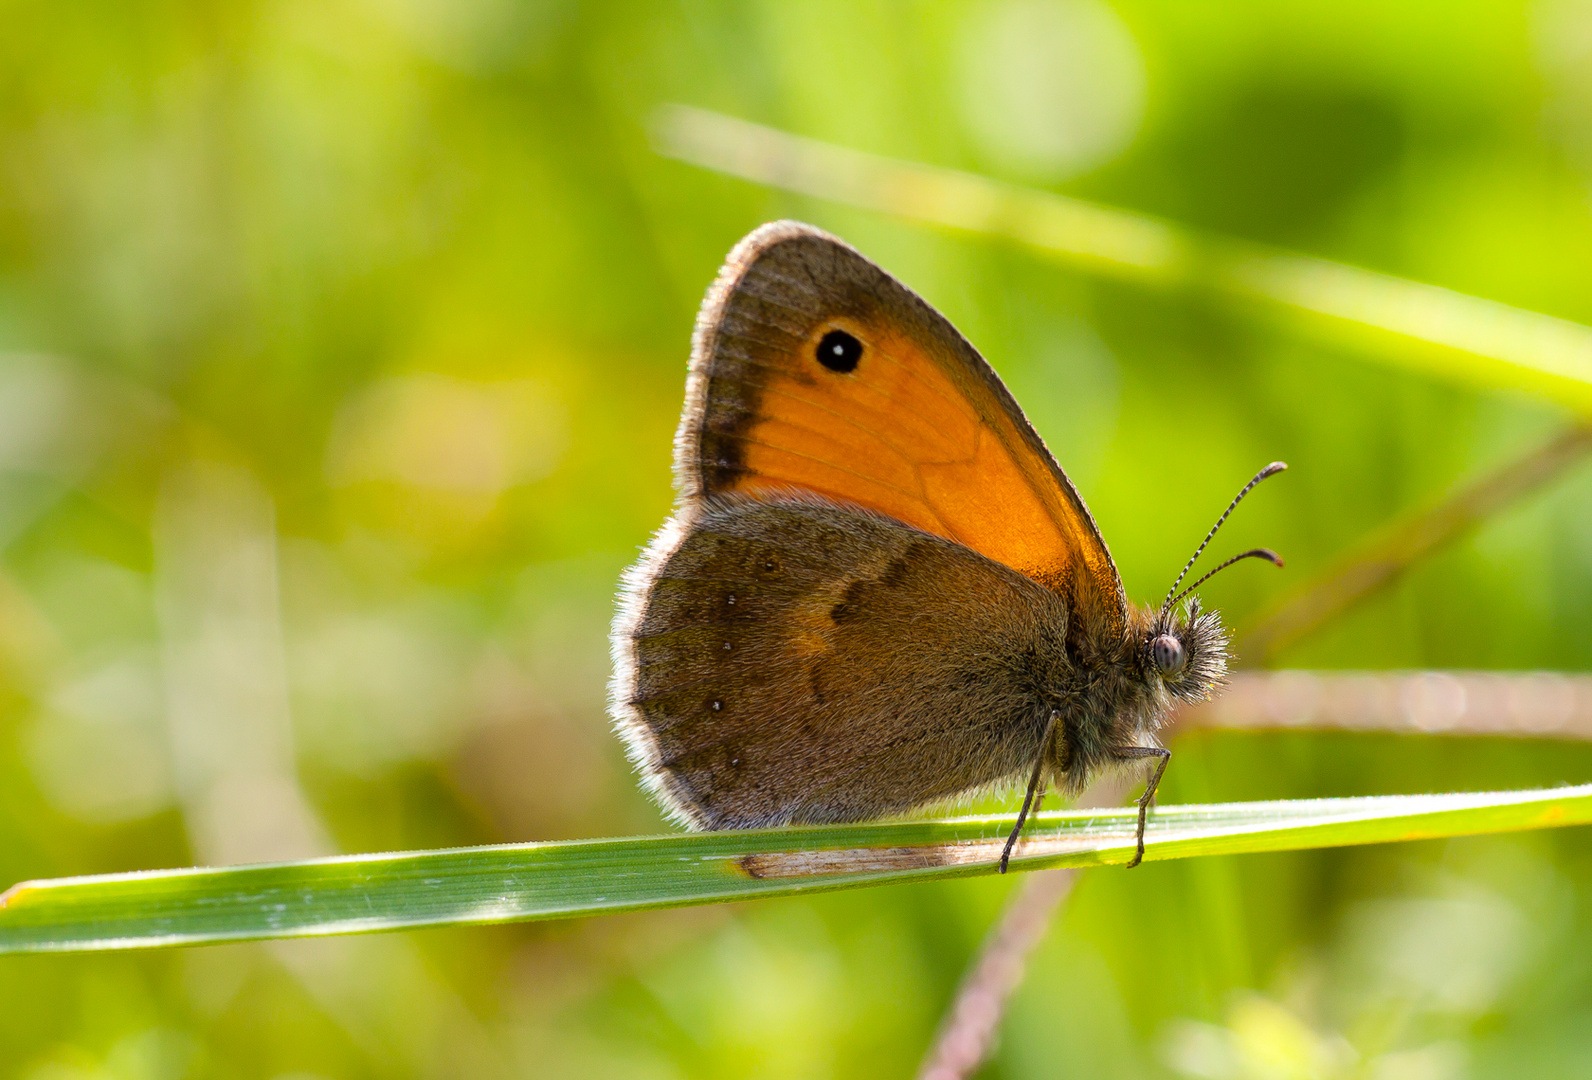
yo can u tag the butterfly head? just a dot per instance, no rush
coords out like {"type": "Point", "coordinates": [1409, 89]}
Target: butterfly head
{"type": "Point", "coordinates": [1185, 651]}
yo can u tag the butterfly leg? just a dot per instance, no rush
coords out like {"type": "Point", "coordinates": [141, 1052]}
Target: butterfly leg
{"type": "Point", "coordinates": [1036, 792]}
{"type": "Point", "coordinates": [1131, 753]}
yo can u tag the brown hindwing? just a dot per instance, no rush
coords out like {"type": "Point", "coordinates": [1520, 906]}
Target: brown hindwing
{"type": "Point", "coordinates": [790, 659]}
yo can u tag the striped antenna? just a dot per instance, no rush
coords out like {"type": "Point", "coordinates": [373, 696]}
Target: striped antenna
{"type": "Point", "coordinates": [1172, 595]}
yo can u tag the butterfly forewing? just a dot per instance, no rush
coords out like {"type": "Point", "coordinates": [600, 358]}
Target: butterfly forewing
{"type": "Point", "coordinates": [915, 425]}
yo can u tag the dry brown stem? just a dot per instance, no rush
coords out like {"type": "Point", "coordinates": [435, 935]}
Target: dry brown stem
{"type": "Point", "coordinates": [1376, 563]}
{"type": "Point", "coordinates": [1540, 704]}
{"type": "Point", "coordinates": [974, 1018]}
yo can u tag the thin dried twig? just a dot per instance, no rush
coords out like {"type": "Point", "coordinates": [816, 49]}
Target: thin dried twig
{"type": "Point", "coordinates": [1377, 562]}
{"type": "Point", "coordinates": [967, 1033]}
{"type": "Point", "coordinates": [1532, 704]}
{"type": "Point", "coordinates": [971, 1023]}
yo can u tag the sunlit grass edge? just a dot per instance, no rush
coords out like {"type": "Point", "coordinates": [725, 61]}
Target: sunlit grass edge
{"type": "Point", "coordinates": [521, 882]}
{"type": "Point", "coordinates": [1427, 328]}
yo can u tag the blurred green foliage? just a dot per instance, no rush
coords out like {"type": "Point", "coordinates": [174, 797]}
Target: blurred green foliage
{"type": "Point", "coordinates": [342, 347]}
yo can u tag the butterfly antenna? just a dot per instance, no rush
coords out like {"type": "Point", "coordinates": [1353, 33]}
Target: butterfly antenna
{"type": "Point", "coordinates": [1257, 553]}
{"type": "Point", "coordinates": [1172, 595]}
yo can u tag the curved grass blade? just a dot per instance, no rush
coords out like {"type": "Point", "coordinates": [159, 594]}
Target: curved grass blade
{"type": "Point", "coordinates": [511, 883]}
{"type": "Point", "coordinates": [1425, 327]}
{"type": "Point", "coordinates": [1376, 563]}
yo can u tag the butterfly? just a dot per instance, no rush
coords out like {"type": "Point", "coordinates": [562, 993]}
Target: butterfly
{"type": "Point", "coordinates": [878, 590]}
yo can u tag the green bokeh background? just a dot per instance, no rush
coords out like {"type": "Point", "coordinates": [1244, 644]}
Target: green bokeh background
{"type": "Point", "coordinates": [341, 344]}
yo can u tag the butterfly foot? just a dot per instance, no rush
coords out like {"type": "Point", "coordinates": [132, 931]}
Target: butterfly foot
{"type": "Point", "coordinates": [1006, 852]}
{"type": "Point", "coordinates": [1138, 855]}
{"type": "Point", "coordinates": [1145, 801]}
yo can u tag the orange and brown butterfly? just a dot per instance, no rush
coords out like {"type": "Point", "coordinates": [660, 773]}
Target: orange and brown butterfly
{"type": "Point", "coordinates": [878, 590]}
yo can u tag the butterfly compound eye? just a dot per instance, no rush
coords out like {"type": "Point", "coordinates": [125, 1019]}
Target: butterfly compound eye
{"type": "Point", "coordinates": [1168, 653]}
{"type": "Point", "coordinates": [839, 351]}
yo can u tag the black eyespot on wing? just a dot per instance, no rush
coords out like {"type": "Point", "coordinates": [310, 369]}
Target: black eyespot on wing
{"type": "Point", "coordinates": [839, 351]}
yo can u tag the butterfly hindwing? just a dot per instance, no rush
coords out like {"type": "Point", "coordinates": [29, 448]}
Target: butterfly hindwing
{"type": "Point", "coordinates": [785, 659]}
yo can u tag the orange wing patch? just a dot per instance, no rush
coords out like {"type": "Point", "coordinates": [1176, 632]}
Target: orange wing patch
{"type": "Point", "coordinates": [898, 437]}
{"type": "Point", "coordinates": [919, 428]}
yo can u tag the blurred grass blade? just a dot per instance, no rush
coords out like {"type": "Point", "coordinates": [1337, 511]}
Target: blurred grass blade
{"type": "Point", "coordinates": [539, 881]}
{"type": "Point", "coordinates": [1380, 560]}
{"type": "Point", "coordinates": [1417, 325]}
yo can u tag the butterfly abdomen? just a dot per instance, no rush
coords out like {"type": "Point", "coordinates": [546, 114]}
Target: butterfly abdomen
{"type": "Point", "coordinates": [791, 659]}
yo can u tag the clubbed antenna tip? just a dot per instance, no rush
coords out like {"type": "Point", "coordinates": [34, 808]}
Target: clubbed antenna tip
{"type": "Point", "coordinates": [1172, 595]}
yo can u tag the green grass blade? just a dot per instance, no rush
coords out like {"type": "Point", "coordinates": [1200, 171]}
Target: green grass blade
{"type": "Point", "coordinates": [1409, 323]}
{"type": "Point", "coordinates": [518, 882]}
